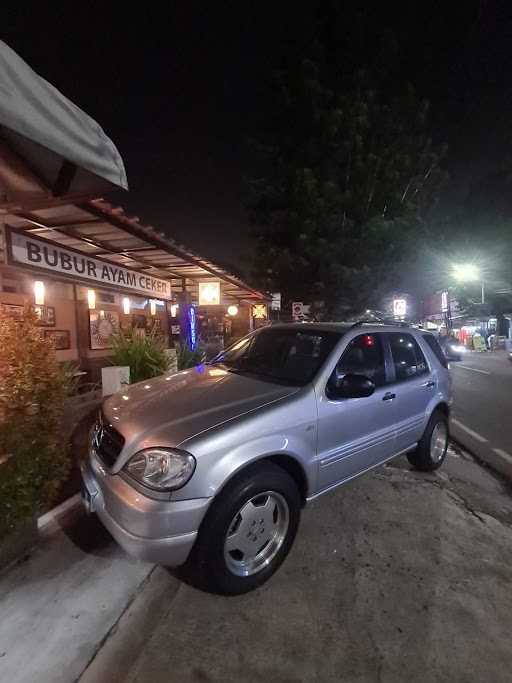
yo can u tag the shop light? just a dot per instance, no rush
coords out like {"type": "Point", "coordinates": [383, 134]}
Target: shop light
{"type": "Point", "coordinates": [39, 291]}
{"type": "Point", "coordinates": [91, 299]}
{"type": "Point", "coordinates": [126, 305]}
{"type": "Point", "coordinates": [233, 309]}
{"type": "Point", "coordinates": [174, 310]}
{"type": "Point", "coordinates": [152, 306]}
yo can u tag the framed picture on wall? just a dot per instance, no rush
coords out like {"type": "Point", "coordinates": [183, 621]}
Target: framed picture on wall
{"type": "Point", "coordinates": [61, 339]}
{"type": "Point", "coordinates": [13, 311]}
{"type": "Point", "coordinates": [139, 321]}
{"type": "Point", "coordinates": [102, 325]}
{"type": "Point", "coordinates": [46, 315]}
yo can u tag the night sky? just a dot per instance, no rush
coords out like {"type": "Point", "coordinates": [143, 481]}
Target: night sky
{"type": "Point", "coordinates": [181, 91]}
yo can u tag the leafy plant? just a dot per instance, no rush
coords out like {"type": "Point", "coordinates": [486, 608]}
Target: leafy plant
{"type": "Point", "coordinates": [70, 370]}
{"type": "Point", "coordinates": [33, 459]}
{"type": "Point", "coordinates": [187, 357]}
{"type": "Point", "coordinates": [145, 354]}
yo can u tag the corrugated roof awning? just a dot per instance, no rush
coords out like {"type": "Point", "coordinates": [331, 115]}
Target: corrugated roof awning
{"type": "Point", "coordinates": [97, 228]}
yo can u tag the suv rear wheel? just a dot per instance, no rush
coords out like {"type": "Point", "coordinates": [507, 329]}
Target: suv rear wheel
{"type": "Point", "coordinates": [247, 532]}
{"type": "Point", "coordinates": [431, 450]}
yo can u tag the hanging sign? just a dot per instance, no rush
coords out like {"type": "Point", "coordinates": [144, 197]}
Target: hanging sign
{"type": "Point", "coordinates": [297, 310]}
{"type": "Point", "coordinates": [209, 293]}
{"type": "Point", "coordinates": [399, 308]}
{"type": "Point", "coordinates": [275, 304]}
{"type": "Point", "coordinates": [26, 250]}
{"type": "Point", "coordinates": [259, 311]}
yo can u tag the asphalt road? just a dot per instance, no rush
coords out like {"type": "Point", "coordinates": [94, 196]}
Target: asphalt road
{"type": "Point", "coordinates": [398, 576]}
{"type": "Point", "coordinates": [482, 409]}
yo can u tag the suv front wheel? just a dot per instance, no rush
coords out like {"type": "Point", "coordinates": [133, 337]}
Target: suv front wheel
{"type": "Point", "coordinates": [431, 449]}
{"type": "Point", "coordinates": [247, 532]}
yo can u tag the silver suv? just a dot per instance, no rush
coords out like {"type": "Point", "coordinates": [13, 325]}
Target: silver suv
{"type": "Point", "coordinates": [211, 466]}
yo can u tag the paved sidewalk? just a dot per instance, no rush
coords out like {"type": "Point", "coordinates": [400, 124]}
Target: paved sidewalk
{"type": "Point", "coordinates": [59, 604]}
{"type": "Point", "coordinates": [400, 573]}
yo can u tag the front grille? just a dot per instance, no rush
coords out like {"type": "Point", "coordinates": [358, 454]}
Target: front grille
{"type": "Point", "coordinates": [107, 442]}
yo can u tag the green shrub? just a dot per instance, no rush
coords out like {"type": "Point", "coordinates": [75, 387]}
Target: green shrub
{"type": "Point", "coordinates": [188, 358]}
{"type": "Point", "coordinates": [145, 354]}
{"type": "Point", "coordinates": [33, 387]}
{"type": "Point", "coordinates": [69, 368]}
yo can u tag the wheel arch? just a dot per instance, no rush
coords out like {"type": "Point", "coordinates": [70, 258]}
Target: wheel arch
{"type": "Point", "coordinates": [443, 407]}
{"type": "Point", "coordinates": [284, 461]}
{"type": "Point", "coordinates": [294, 468]}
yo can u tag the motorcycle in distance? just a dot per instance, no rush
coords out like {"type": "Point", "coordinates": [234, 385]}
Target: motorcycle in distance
{"type": "Point", "coordinates": [452, 348]}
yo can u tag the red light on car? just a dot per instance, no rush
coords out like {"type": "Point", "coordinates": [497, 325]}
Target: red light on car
{"type": "Point", "coordinates": [368, 340]}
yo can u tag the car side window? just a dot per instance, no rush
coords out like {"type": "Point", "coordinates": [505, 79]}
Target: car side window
{"type": "Point", "coordinates": [364, 356]}
{"type": "Point", "coordinates": [408, 358]}
{"type": "Point", "coordinates": [438, 351]}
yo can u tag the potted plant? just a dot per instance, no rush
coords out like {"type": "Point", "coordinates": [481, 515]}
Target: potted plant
{"type": "Point", "coordinates": [145, 354]}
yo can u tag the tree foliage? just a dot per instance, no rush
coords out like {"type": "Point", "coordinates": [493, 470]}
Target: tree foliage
{"type": "Point", "coordinates": [347, 177]}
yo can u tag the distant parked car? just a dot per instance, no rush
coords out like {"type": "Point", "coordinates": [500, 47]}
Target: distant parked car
{"type": "Point", "coordinates": [212, 466]}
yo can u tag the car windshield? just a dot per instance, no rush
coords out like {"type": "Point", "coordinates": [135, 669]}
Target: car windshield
{"type": "Point", "coordinates": [283, 355]}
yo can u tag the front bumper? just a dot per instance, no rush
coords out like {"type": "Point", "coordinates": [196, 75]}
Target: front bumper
{"type": "Point", "coordinates": [156, 531]}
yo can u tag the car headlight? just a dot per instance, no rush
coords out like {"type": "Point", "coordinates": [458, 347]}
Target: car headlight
{"type": "Point", "coordinates": [458, 348]}
{"type": "Point", "coordinates": [163, 469]}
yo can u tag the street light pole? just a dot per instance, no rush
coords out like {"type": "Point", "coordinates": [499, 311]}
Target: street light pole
{"type": "Point", "coordinates": [483, 292]}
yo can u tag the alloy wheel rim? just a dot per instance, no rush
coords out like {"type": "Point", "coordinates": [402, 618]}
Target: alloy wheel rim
{"type": "Point", "coordinates": [256, 533]}
{"type": "Point", "coordinates": [438, 442]}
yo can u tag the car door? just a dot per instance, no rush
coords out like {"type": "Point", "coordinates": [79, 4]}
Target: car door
{"type": "Point", "coordinates": [412, 387]}
{"type": "Point", "coordinates": [356, 433]}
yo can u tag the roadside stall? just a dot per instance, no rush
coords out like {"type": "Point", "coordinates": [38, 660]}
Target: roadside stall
{"type": "Point", "coordinates": [89, 269]}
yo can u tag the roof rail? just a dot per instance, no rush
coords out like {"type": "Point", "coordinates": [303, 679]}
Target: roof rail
{"type": "Point", "coordinates": [394, 323]}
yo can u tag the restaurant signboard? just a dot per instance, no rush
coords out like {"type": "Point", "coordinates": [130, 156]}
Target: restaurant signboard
{"type": "Point", "coordinates": [25, 250]}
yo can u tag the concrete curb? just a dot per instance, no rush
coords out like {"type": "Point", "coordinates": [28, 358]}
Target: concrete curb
{"type": "Point", "coordinates": [27, 537]}
{"type": "Point", "coordinates": [53, 516]}
{"type": "Point", "coordinates": [494, 462]}
{"type": "Point", "coordinates": [122, 645]}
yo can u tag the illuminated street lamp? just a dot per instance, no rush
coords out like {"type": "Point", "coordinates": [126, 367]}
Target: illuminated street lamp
{"type": "Point", "coordinates": [468, 272]}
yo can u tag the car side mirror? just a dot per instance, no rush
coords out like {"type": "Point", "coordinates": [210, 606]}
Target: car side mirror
{"type": "Point", "coordinates": [351, 386]}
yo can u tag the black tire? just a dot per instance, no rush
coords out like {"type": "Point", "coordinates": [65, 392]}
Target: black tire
{"type": "Point", "coordinates": [207, 567]}
{"type": "Point", "coordinates": [422, 458]}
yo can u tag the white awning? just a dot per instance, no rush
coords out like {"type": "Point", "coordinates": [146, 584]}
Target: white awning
{"type": "Point", "coordinates": [47, 144]}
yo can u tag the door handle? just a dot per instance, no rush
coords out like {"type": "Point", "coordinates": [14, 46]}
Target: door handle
{"type": "Point", "coordinates": [430, 384]}
{"type": "Point", "coordinates": [388, 396]}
